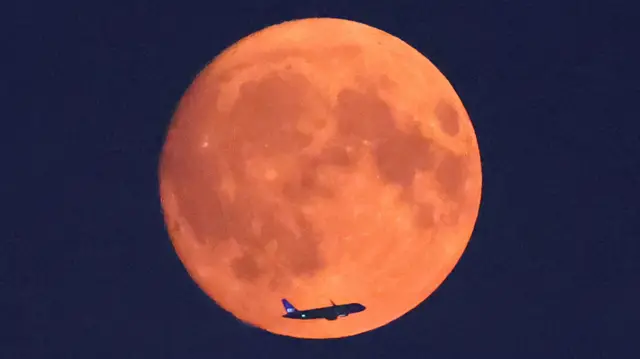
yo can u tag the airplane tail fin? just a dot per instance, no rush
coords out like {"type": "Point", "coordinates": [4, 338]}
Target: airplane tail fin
{"type": "Point", "coordinates": [288, 306]}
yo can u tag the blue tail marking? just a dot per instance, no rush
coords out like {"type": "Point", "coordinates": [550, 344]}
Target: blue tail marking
{"type": "Point", "coordinates": [288, 306]}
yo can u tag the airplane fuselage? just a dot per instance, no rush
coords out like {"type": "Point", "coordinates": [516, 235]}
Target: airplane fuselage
{"type": "Point", "coordinates": [329, 313]}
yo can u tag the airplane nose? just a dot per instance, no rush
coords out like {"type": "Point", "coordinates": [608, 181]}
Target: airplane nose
{"type": "Point", "coordinates": [362, 307]}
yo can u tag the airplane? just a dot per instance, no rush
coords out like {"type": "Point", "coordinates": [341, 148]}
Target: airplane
{"type": "Point", "coordinates": [329, 313]}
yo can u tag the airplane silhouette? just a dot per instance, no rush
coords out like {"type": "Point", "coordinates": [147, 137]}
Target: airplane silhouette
{"type": "Point", "coordinates": [329, 313]}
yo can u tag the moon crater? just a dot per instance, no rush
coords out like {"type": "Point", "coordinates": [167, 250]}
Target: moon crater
{"type": "Point", "coordinates": [447, 117]}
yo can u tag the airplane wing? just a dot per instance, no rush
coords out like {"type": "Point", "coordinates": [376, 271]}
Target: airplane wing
{"type": "Point", "coordinates": [319, 313]}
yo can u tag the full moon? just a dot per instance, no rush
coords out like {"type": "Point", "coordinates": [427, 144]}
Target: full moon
{"type": "Point", "coordinates": [320, 160]}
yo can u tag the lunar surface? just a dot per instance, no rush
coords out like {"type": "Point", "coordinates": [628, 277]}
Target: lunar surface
{"type": "Point", "coordinates": [318, 160]}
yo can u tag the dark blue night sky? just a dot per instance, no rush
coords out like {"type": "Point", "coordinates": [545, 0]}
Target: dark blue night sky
{"type": "Point", "coordinates": [552, 270]}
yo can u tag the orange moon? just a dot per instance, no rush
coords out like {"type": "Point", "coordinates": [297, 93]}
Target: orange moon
{"type": "Point", "coordinates": [316, 160]}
